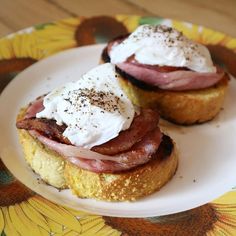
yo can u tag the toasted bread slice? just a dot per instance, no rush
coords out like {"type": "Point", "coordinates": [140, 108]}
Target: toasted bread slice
{"type": "Point", "coordinates": [124, 186]}
{"type": "Point", "coordinates": [180, 107]}
{"type": "Point", "coordinates": [128, 185]}
{"type": "Point", "coordinates": [187, 107]}
{"type": "Point", "coordinates": [48, 164]}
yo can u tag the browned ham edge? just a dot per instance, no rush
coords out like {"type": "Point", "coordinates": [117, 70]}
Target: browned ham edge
{"type": "Point", "coordinates": [35, 107]}
{"type": "Point", "coordinates": [131, 148]}
{"type": "Point", "coordinates": [47, 127]}
{"type": "Point", "coordinates": [146, 121]}
{"type": "Point", "coordinates": [163, 77]}
{"type": "Point", "coordinates": [140, 154]}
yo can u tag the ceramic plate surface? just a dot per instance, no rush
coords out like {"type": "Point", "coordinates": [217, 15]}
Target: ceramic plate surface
{"type": "Point", "coordinates": [207, 152]}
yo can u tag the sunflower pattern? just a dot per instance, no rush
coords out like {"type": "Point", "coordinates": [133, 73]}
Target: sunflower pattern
{"type": "Point", "coordinates": [23, 212]}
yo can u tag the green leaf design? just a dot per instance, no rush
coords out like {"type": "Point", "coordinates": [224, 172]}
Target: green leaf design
{"type": "Point", "coordinates": [42, 26]}
{"type": "Point", "coordinates": [101, 39]}
{"type": "Point", "coordinates": [150, 20]}
{"type": "Point", "coordinates": [6, 177]}
{"type": "Point", "coordinates": [3, 233]}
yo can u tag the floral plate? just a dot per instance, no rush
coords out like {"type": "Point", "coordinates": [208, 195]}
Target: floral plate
{"type": "Point", "coordinates": [21, 209]}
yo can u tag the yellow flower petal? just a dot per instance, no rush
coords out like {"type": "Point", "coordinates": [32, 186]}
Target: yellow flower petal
{"type": "Point", "coordinates": [53, 47]}
{"type": "Point", "coordinates": [40, 43]}
{"type": "Point", "coordinates": [55, 33]}
{"type": "Point", "coordinates": [25, 40]}
{"type": "Point", "coordinates": [69, 232]}
{"type": "Point", "coordinates": [35, 216]}
{"type": "Point", "coordinates": [59, 31]}
{"type": "Point", "coordinates": [43, 232]}
{"type": "Point", "coordinates": [231, 43]}
{"type": "Point", "coordinates": [228, 198]}
{"type": "Point", "coordinates": [9, 228]}
{"type": "Point", "coordinates": [131, 22]}
{"type": "Point", "coordinates": [55, 212]}
{"type": "Point", "coordinates": [6, 50]}
{"type": "Point", "coordinates": [34, 49]}
{"type": "Point", "coordinates": [189, 30]}
{"type": "Point", "coordinates": [88, 219]}
{"type": "Point", "coordinates": [17, 222]}
{"type": "Point", "coordinates": [16, 44]}
{"type": "Point", "coordinates": [2, 222]}
{"type": "Point", "coordinates": [21, 222]}
{"type": "Point", "coordinates": [30, 47]}
{"type": "Point", "coordinates": [95, 225]}
{"type": "Point", "coordinates": [115, 233]}
{"type": "Point", "coordinates": [54, 226]}
{"type": "Point", "coordinates": [89, 223]}
{"type": "Point", "coordinates": [93, 229]}
{"type": "Point", "coordinates": [200, 34]}
{"type": "Point", "coordinates": [70, 22]}
{"type": "Point", "coordinates": [223, 229]}
{"type": "Point", "coordinates": [107, 230]}
{"type": "Point", "coordinates": [78, 214]}
{"type": "Point", "coordinates": [209, 36]}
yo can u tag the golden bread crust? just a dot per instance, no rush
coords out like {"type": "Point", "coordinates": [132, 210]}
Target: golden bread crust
{"type": "Point", "coordinates": [180, 107]}
{"type": "Point", "coordinates": [48, 164]}
{"type": "Point", "coordinates": [125, 186]}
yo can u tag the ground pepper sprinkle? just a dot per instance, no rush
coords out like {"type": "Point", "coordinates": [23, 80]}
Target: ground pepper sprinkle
{"type": "Point", "coordinates": [107, 101]}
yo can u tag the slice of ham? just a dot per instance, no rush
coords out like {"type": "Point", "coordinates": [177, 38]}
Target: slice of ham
{"type": "Point", "coordinates": [133, 147]}
{"type": "Point", "coordinates": [140, 153]}
{"type": "Point", "coordinates": [35, 107]}
{"type": "Point", "coordinates": [179, 80]}
{"type": "Point", "coordinates": [47, 127]}
{"type": "Point", "coordinates": [146, 121]}
{"type": "Point", "coordinates": [167, 78]}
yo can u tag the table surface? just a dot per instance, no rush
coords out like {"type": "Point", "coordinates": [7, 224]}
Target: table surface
{"type": "Point", "coordinates": [216, 14]}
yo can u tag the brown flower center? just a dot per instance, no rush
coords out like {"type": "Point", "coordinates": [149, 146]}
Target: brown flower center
{"type": "Point", "coordinates": [11, 190]}
{"type": "Point", "coordinates": [98, 29]}
{"type": "Point", "coordinates": [10, 67]}
{"type": "Point", "coordinates": [193, 222]}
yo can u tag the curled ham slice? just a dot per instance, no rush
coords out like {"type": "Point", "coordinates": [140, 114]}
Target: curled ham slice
{"type": "Point", "coordinates": [142, 123]}
{"type": "Point", "coordinates": [179, 79]}
{"type": "Point", "coordinates": [133, 147]}
{"type": "Point", "coordinates": [44, 126]}
{"type": "Point", "coordinates": [140, 153]}
{"type": "Point", "coordinates": [35, 107]}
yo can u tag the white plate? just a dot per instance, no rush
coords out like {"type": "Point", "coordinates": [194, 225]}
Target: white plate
{"type": "Point", "coordinates": [207, 152]}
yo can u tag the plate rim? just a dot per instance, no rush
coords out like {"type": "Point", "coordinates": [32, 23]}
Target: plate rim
{"type": "Point", "coordinates": [82, 208]}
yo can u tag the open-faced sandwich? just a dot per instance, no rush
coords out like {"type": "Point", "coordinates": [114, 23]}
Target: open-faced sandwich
{"type": "Point", "coordinates": [160, 67]}
{"type": "Point", "coordinates": [88, 136]}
